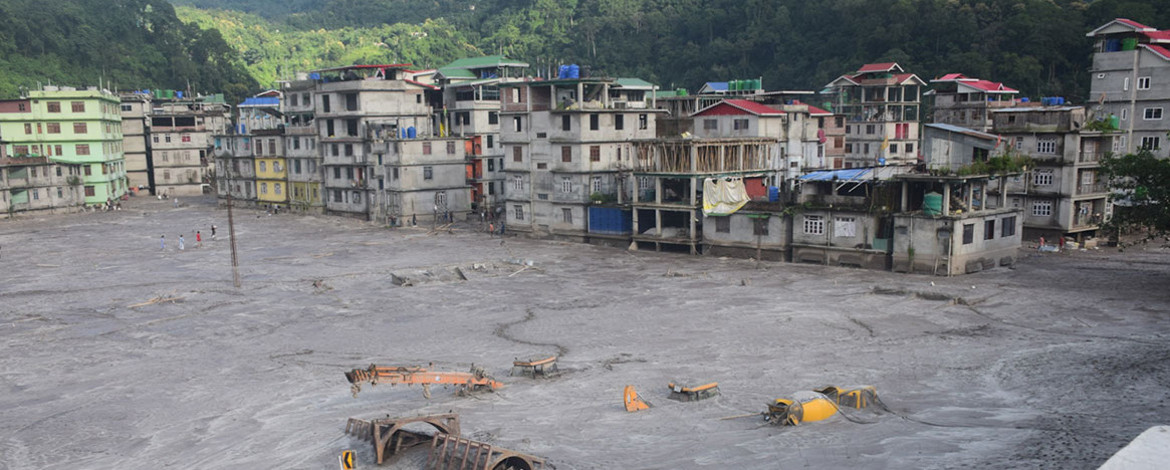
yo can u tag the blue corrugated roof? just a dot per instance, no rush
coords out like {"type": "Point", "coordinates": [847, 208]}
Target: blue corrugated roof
{"type": "Point", "coordinates": [261, 102]}
{"type": "Point", "coordinates": [852, 174]}
{"type": "Point", "coordinates": [717, 86]}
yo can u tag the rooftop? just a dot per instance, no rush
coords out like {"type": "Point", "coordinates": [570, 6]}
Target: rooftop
{"type": "Point", "coordinates": [745, 106]}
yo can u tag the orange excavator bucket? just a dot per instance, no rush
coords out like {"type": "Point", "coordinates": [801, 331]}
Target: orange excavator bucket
{"type": "Point", "coordinates": [633, 401]}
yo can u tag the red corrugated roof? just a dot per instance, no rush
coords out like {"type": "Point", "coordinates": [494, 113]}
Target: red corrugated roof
{"type": "Point", "coordinates": [882, 67]}
{"type": "Point", "coordinates": [1133, 23]}
{"type": "Point", "coordinates": [950, 76]}
{"type": "Point", "coordinates": [1162, 51]}
{"type": "Point", "coordinates": [987, 85]}
{"type": "Point", "coordinates": [746, 106]}
{"type": "Point", "coordinates": [415, 82]}
{"type": "Point", "coordinates": [815, 111]}
{"type": "Point", "coordinates": [1158, 36]}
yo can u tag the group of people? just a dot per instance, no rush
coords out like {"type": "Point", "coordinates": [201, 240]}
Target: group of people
{"type": "Point", "coordinates": [162, 240]}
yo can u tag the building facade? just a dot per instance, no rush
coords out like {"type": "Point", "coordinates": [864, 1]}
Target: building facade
{"type": "Point", "coordinates": [135, 109]}
{"type": "Point", "coordinates": [881, 104]}
{"type": "Point", "coordinates": [38, 184]}
{"type": "Point", "coordinates": [181, 143]}
{"type": "Point", "coordinates": [968, 102]}
{"type": "Point", "coordinates": [68, 125]}
{"type": "Point", "coordinates": [1130, 82]}
{"type": "Point", "coordinates": [303, 161]}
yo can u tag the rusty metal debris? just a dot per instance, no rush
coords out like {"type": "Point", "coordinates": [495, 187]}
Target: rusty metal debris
{"type": "Point", "coordinates": [389, 436]}
{"type": "Point", "coordinates": [702, 392]}
{"type": "Point", "coordinates": [535, 367]}
{"type": "Point", "coordinates": [465, 382]}
{"type": "Point", "coordinates": [452, 451]}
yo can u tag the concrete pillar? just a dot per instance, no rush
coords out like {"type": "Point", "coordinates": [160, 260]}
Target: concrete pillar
{"type": "Point", "coordinates": [946, 202]}
{"type": "Point", "coordinates": [905, 196]}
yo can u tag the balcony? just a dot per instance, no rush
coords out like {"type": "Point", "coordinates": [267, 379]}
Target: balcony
{"type": "Point", "coordinates": [1089, 157]}
{"type": "Point", "coordinates": [1093, 188]}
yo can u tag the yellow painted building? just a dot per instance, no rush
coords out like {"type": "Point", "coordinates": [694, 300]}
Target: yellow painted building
{"type": "Point", "coordinates": [272, 181]}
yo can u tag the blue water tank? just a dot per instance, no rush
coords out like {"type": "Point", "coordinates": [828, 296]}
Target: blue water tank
{"type": "Point", "coordinates": [402, 133]}
{"type": "Point", "coordinates": [574, 71]}
{"type": "Point", "coordinates": [411, 132]}
{"type": "Point", "coordinates": [1060, 100]}
{"type": "Point", "coordinates": [1025, 99]}
{"type": "Point", "coordinates": [314, 76]}
{"type": "Point", "coordinates": [563, 71]}
{"type": "Point", "coordinates": [179, 94]}
{"type": "Point", "coordinates": [773, 194]}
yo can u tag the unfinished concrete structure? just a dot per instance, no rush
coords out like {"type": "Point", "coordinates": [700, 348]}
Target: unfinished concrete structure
{"type": "Point", "coordinates": [881, 104]}
{"type": "Point", "coordinates": [760, 230]}
{"type": "Point", "coordinates": [845, 218]}
{"type": "Point", "coordinates": [38, 184]}
{"type": "Point", "coordinates": [471, 110]}
{"type": "Point", "coordinates": [136, 140]}
{"type": "Point", "coordinates": [235, 170]}
{"type": "Point", "coordinates": [346, 102]}
{"type": "Point", "coordinates": [1064, 194]}
{"type": "Point", "coordinates": [567, 145]}
{"type": "Point", "coordinates": [305, 171]}
{"type": "Point", "coordinates": [1131, 82]}
{"type": "Point", "coordinates": [668, 177]}
{"type": "Point", "coordinates": [968, 102]}
{"type": "Point", "coordinates": [420, 180]}
{"type": "Point", "coordinates": [181, 142]}
{"type": "Point", "coordinates": [949, 147]}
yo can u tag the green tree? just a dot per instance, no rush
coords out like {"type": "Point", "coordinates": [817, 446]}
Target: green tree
{"type": "Point", "coordinates": [1141, 193]}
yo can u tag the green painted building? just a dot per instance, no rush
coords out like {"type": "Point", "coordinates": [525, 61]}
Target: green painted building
{"type": "Point", "coordinates": [70, 126]}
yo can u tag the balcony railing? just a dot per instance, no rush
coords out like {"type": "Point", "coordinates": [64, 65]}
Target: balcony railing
{"type": "Point", "coordinates": [1089, 157]}
{"type": "Point", "coordinates": [1093, 188]}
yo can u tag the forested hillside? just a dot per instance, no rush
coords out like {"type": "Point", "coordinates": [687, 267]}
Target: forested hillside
{"type": "Point", "coordinates": [1038, 46]}
{"type": "Point", "coordinates": [124, 43]}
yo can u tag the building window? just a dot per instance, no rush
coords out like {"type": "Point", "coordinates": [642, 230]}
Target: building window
{"type": "Point", "coordinates": [844, 227]}
{"type": "Point", "coordinates": [710, 125]}
{"type": "Point", "coordinates": [519, 211]}
{"type": "Point", "coordinates": [518, 182]}
{"type": "Point", "coordinates": [566, 123]}
{"type": "Point", "coordinates": [1042, 208]}
{"type": "Point", "coordinates": [426, 148]}
{"type": "Point", "coordinates": [82, 149]}
{"type": "Point", "coordinates": [566, 154]}
{"type": "Point", "coordinates": [53, 127]}
{"type": "Point", "coordinates": [893, 148]}
{"type": "Point", "coordinates": [276, 188]}
{"type": "Point", "coordinates": [566, 184]}
{"type": "Point", "coordinates": [394, 174]}
{"type": "Point", "coordinates": [968, 234]}
{"type": "Point", "coordinates": [594, 122]}
{"type": "Point", "coordinates": [78, 106]}
{"type": "Point", "coordinates": [491, 164]}
{"type": "Point", "coordinates": [814, 225]}
{"type": "Point", "coordinates": [348, 150]}
{"type": "Point", "coordinates": [759, 227]}
{"type": "Point", "coordinates": [643, 121]}
{"type": "Point", "coordinates": [989, 229]}
{"type": "Point", "coordinates": [428, 172]}
{"type": "Point", "coordinates": [595, 153]}
{"type": "Point", "coordinates": [263, 166]}
{"type": "Point", "coordinates": [54, 106]}
{"type": "Point", "coordinates": [336, 172]}
{"type": "Point", "coordinates": [1143, 83]}
{"type": "Point", "coordinates": [493, 117]}
{"type": "Point", "coordinates": [1007, 228]}
{"type": "Point", "coordinates": [909, 149]}
{"type": "Point", "coordinates": [451, 148]}
{"type": "Point", "coordinates": [619, 122]}
{"type": "Point", "coordinates": [1152, 114]}
{"type": "Point", "coordinates": [1042, 177]}
{"type": "Point", "coordinates": [1046, 146]}
{"type": "Point", "coordinates": [722, 224]}
{"type": "Point", "coordinates": [567, 215]}
{"type": "Point", "coordinates": [89, 192]}
{"type": "Point", "coordinates": [263, 188]}
{"type": "Point", "coordinates": [739, 124]}
{"type": "Point", "coordinates": [27, 128]}
{"type": "Point", "coordinates": [1151, 143]}
{"type": "Point", "coordinates": [869, 129]}
{"type": "Point", "coordinates": [517, 154]}
{"type": "Point", "coordinates": [80, 128]}
{"type": "Point", "coordinates": [167, 137]}
{"type": "Point", "coordinates": [517, 124]}
{"type": "Point", "coordinates": [848, 148]}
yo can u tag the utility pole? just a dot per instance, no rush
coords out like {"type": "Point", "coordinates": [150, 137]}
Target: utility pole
{"type": "Point", "coordinates": [232, 237]}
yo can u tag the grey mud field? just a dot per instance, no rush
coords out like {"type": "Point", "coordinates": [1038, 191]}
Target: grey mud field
{"type": "Point", "coordinates": [1056, 364]}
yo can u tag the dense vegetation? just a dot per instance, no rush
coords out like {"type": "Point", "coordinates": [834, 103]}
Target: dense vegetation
{"type": "Point", "coordinates": [1038, 46]}
{"type": "Point", "coordinates": [122, 43]}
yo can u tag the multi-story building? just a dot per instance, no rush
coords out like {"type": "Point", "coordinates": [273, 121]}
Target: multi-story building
{"type": "Point", "coordinates": [567, 145]}
{"type": "Point", "coordinates": [968, 102]}
{"type": "Point", "coordinates": [181, 142]}
{"type": "Point", "coordinates": [271, 167]}
{"type": "Point", "coordinates": [471, 109]}
{"type": "Point", "coordinates": [881, 104]}
{"type": "Point", "coordinates": [347, 102]}
{"type": "Point", "coordinates": [302, 159]}
{"type": "Point", "coordinates": [135, 111]}
{"type": "Point", "coordinates": [71, 126]}
{"type": "Point", "coordinates": [1130, 81]}
{"type": "Point", "coordinates": [235, 170]}
{"type": "Point", "coordinates": [37, 183]}
{"type": "Point", "coordinates": [420, 179]}
{"type": "Point", "coordinates": [1064, 194]}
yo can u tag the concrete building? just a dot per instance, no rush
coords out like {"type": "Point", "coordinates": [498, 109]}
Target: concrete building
{"type": "Point", "coordinates": [348, 102]}
{"type": "Point", "coordinates": [1064, 194]}
{"type": "Point", "coordinates": [968, 102]}
{"type": "Point", "coordinates": [235, 169]}
{"type": "Point", "coordinates": [70, 126]}
{"type": "Point", "coordinates": [420, 180]}
{"type": "Point", "coordinates": [949, 147]}
{"type": "Point", "coordinates": [881, 104]}
{"type": "Point", "coordinates": [305, 169]}
{"type": "Point", "coordinates": [760, 230]}
{"type": "Point", "coordinates": [38, 184]}
{"type": "Point", "coordinates": [271, 168]}
{"type": "Point", "coordinates": [471, 110]}
{"type": "Point", "coordinates": [181, 143]}
{"type": "Point", "coordinates": [670, 177]}
{"type": "Point", "coordinates": [135, 111]}
{"type": "Point", "coordinates": [567, 146]}
{"type": "Point", "coordinates": [1130, 80]}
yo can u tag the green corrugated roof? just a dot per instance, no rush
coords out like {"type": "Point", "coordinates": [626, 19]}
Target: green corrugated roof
{"type": "Point", "coordinates": [481, 62]}
{"type": "Point", "coordinates": [633, 83]}
{"type": "Point", "coordinates": [455, 72]}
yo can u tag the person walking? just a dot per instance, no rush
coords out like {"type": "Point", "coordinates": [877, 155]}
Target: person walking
{"type": "Point", "coordinates": [162, 242]}
{"type": "Point", "coordinates": [213, 231]}
{"type": "Point", "coordinates": [176, 203]}
{"type": "Point", "coordinates": [492, 230]}
{"type": "Point", "coordinates": [198, 240]}
{"type": "Point", "coordinates": [180, 242]}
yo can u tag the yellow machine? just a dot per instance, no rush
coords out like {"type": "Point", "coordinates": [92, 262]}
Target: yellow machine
{"type": "Point", "coordinates": [860, 397]}
{"type": "Point", "coordinates": [633, 401]}
{"type": "Point", "coordinates": [818, 405]}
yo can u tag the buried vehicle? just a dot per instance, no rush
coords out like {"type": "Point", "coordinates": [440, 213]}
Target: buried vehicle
{"type": "Point", "coordinates": [818, 405]}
